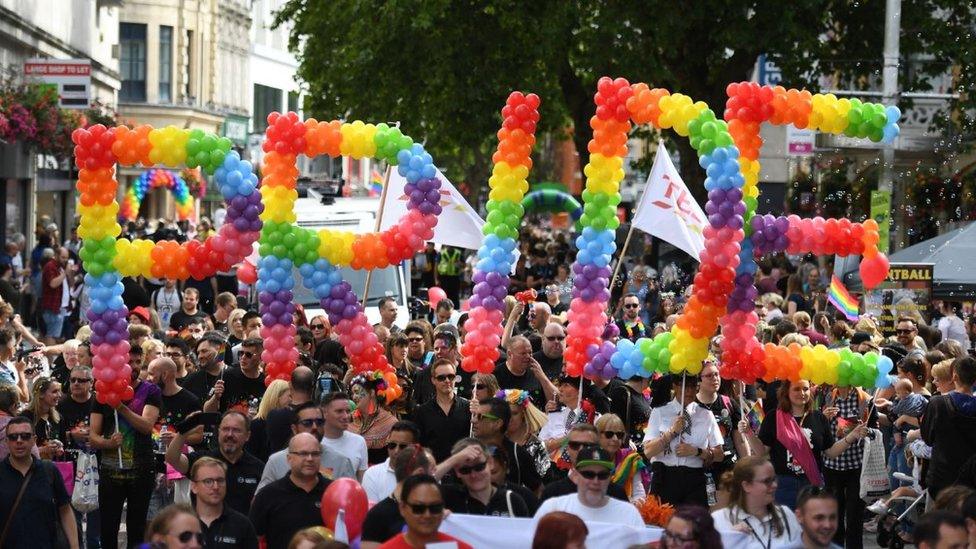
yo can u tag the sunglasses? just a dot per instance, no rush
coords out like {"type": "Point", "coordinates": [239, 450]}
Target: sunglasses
{"type": "Point", "coordinates": [445, 377]}
{"type": "Point", "coordinates": [398, 445]}
{"type": "Point", "coordinates": [80, 380]}
{"type": "Point", "coordinates": [631, 306]}
{"type": "Point", "coordinates": [247, 354]}
{"type": "Point", "coordinates": [614, 434]}
{"type": "Point", "coordinates": [317, 326]}
{"type": "Point", "coordinates": [476, 468]}
{"type": "Point", "coordinates": [555, 338]}
{"type": "Point", "coordinates": [185, 537]}
{"type": "Point", "coordinates": [904, 332]}
{"type": "Point", "coordinates": [590, 475]}
{"type": "Point", "coordinates": [479, 386]}
{"type": "Point", "coordinates": [421, 508]}
{"type": "Point", "coordinates": [20, 436]}
{"type": "Point", "coordinates": [576, 444]}
{"type": "Point", "coordinates": [415, 339]}
{"type": "Point", "coordinates": [309, 422]}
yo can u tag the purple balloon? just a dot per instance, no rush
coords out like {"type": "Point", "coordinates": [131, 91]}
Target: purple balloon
{"type": "Point", "coordinates": [268, 319]}
{"type": "Point", "coordinates": [350, 312]}
{"type": "Point", "coordinates": [96, 339]}
{"type": "Point", "coordinates": [475, 301]}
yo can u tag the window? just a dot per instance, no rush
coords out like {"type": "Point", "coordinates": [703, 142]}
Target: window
{"type": "Point", "coordinates": [188, 85]}
{"type": "Point", "coordinates": [266, 101]}
{"type": "Point", "coordinates": [293, 101]}
{"type": "Point", "coordinates": [165, 64]}
{"type": "Point", "coordinates": [132, 62]}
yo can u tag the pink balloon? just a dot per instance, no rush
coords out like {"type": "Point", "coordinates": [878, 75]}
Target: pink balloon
{"type": "Point", "coordinates": [434, 295]}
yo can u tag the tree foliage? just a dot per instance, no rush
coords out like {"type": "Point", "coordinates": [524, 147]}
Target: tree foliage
{"type": "Point", "coordinates": [444, 67]}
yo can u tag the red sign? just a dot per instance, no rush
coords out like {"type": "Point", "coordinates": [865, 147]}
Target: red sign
{"type": "Point", "coordinates": [57, 69]}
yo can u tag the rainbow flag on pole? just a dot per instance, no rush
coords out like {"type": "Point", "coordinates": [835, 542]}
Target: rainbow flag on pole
{"type": "Point", "coordinates": [839, 297]}
{"type": "Point", "coordinates": [375, 183]}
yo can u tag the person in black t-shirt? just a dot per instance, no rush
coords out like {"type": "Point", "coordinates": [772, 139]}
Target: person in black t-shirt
{"type": "Point", "coordinates": [222, 526]}
{"type": "Point", "coordinates": [553, 349]}
{"type": "Point", "coordinates": [243, 469]}
{"type": "Point", "coordinates": [383, 520]}
{"type": "Point", "coordinates": [177, 402]}
{"type": "Point", "coordinates": [207, 382]}
{"type": "Point", "coordinates": [475, 495]}
{"type": "Point", "coordinates": [189, 310]}
{"type": "Point", "coordinates": [76, 407]}
{"type": "Point", "coordinates": [244, 387]}
{"type": "Point", "coordinates": [294, 502]}
{"type": "Point", "coordinates": [521, 371]}
{"type": "Point", "coordinates": [489, 425]}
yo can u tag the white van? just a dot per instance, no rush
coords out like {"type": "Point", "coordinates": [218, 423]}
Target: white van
{"type": "Point", "coordinates": [357, 215]}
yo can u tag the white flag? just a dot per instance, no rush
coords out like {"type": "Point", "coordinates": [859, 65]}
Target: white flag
{"type": "Point", "coordinates": [457, 225]}
{"type": "Point", "coordinates": [668, 211]}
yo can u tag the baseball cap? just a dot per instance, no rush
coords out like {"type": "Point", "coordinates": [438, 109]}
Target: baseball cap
{"type": "Point", "coordinates": [860, 337]}
{"type": "Point", "coordinates": [447, 328]}
{"type": "Point", "coordinates": [140, 312]}
{"type": "Point", "coordinates": [594, 455]}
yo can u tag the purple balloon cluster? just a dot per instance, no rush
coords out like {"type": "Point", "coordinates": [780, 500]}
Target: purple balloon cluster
{"type": "Point", "coordinates": [490, 290]}
{"type": "Point", "coordinates": [341, 303]}
{"type": "Point", "coordinates": [591, 283]}
{"type": "Point", "coordinates": [599, 363]}
{"type": "Point", "coordinates": [109, 327]}
{"type": "Point", "coordinates": [425, 196]}
{"type": "Point", "coordinates": [244, 211]}
{"type": "Point", "coordinates": [277, 307]}
{"type": "Point", "coordinates": [725, 208]}
{"type": "Point", "coordinates": [769, 234]}
{"type": "Point", "coordinates": [743, 296]}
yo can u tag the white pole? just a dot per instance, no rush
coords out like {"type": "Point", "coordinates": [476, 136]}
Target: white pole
{"type": "Point", "coordinates": [889, 87]}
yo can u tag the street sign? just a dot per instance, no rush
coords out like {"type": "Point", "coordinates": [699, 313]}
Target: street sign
{"type": "Point", "coordinates": [71, 77]}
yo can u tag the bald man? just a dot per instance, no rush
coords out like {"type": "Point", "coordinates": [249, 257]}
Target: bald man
{"type": "Point", "coordinates": [292, 503]}
{"type": "Point", "coordinates": [522, 371]}
{"type": "Point", "coordinates": [177, 401]}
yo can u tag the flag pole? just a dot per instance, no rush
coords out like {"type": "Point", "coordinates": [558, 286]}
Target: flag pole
{"type": "Point", "coordinates": [620, 261]}
{"type": "Point", "coordinates": [379, 221]}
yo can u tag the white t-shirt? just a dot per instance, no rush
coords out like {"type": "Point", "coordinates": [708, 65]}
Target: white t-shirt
{"type": "Point", "coordinates": [352, 446]}
{"type": "Point", "coordinates": [379, 481]}
{"type": "Point", "coordinates": [166, 303]}
{"type": "Point", "coordinates": [760, 531]}
{"type": "Point", "coordinates": [613, 512]}
{"type": "Point", "coordinates": [953, 327]}
{"type": "Point", "coordinates": [704, 432]}
{"type": "Point", "coordinates": [556, 426]}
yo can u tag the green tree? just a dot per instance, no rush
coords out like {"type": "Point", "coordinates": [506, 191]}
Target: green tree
{"type": "Point", "coordinates": [444, 67]}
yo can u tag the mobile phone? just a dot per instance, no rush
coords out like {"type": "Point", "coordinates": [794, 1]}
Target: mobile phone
{"type": "Point", "coordinates": [207, 419]}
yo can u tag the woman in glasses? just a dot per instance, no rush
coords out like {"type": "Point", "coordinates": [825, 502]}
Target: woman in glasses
{"type": "Point", "coordinates": [630, 472]}
{"type": "Point", "coordinates": [523, 428]}
{"type": "Point", "coordinates": [753, 509]}
{"type": "Point", "coordinates": [395, 349]}
{"type": "Point", "coordinates": [475, 494]}
{"type": "Point", "coordinates": [371, 419]}
{"type": "Point", "coordinates": [175, 527]}
{"type": "Point", "coordinates": [422, 507]}
{"type": "Point", "coordinates": [691, 527]}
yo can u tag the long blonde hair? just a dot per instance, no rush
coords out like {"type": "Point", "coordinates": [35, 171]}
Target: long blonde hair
{"type": "Point", "coordinates": [271, 397]}
{"type": "Point", "coordinates": [534, 418]}
{"type": "Point", "coordinates": [41, 385]}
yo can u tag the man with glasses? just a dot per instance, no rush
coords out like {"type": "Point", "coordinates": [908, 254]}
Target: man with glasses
{"type": "Point", "coordinates": [75, 409]}
{"type": "Point", "coordinates": [906, 330]}
{"type": "Point", "coordinates": [294, 502]}
{"type": "Point", "coordinates": [522, 371]}
{"type": "Point", "coordinates": [380, 480]}
{"type": "Point", "coordinates": [579, 437]}
{"type": "Point", "coordinates": [178, 351]}
{"type": "Point", "coordinates": [336, 435]}
{"type": "Point", "coordinates": [388, 314]}
{"type": "Point", "coordinates": [32, 495]}
{"type": "Point", "coordinates": [490, 425]}
{"type": "Point", "coordinates": [446, 418]}
{"type": "Point", "coordinates": [417, 346]}
{"type": "Point", "coordinates": [383, 521]}
{"type": "Point", "coordinates": [591, 473]}
{"type": "Point", "coordinates": [207, 382]}
{"type": "Point", "coordinates": [243, 469]}
{"type": "Point", "coordinates": [244, 386]}
{"type": "Point", "coordinates": [222, 526]}
{"type": "Point", "coordinates": [553, 349]}
{"type": "Point", "coordinates": [631, 326]}
{"type": "Point", "coordinates": [445, 348]}
{"type": "Point", "coordinates": [309, 420]}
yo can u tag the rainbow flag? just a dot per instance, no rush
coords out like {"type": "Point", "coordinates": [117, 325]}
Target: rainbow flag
{"type": "Point", "coordinates": [755, 415]}
{"type": "Point", "coordinates": [839, 297]}
{"type": "Point", "coordinates": [375, 183]}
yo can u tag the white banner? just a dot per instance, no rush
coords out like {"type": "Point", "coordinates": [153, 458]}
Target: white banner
{"type": "Point", "coordinates": [668, 211]}
{"type": "Point", "coordinates": [484, 532]}
{"type": "Point", "coordinates": [458, 225]}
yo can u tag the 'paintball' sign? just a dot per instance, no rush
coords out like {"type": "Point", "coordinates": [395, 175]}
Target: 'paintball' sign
{"type": "Point", "coordinates": [906, 292]}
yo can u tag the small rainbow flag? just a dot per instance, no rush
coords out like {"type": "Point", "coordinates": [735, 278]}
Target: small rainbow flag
{"type": "Point", "coordinates": [375, 183]}
{"type": "Point", "coordinates": [839, 297]}
{"type": "Point", "coordinates": [755, 415]}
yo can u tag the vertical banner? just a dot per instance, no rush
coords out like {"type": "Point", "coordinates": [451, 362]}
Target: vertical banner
{"type": "Point", "coordinates": [906, 291]}
{"type": "Point", "coordinates": [881, 212]}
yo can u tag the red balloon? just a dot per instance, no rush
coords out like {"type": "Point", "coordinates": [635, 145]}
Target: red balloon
{"type": "Point", "coordinates": [434, 295]}
{"type": "Point", "coordinates": [874, 270]}
{"type": "Point", "coordinates": [247, 274]}
{"type": "Point", "coordinates": [348, 495]}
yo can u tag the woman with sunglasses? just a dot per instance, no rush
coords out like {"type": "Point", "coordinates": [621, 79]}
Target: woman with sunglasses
{"type": "Point", "coordinates": [422, 507]}
{"type": "Point", "coordinates": [691, 527]}
{"type": "Point", "coordinates": [682, 439]}
{"type": "Point", "coordinates": [475, 494]}
{"type": "Point", "coordinates": [630, 472]}
{"type": "Point", "coordinates": [753, 509]}
{"type": "Point", "coordinates": [395, 350]}
{"type": "Point", "coordinates": [523, 428]}
{"type": "Point", "coordinates": [175, 527]}
{"type": "Point", "coordinates": [371, 419]}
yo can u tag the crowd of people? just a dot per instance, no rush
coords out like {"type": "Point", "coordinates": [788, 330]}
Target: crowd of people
{"type": "Point", "coordinates": [205, 454]}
